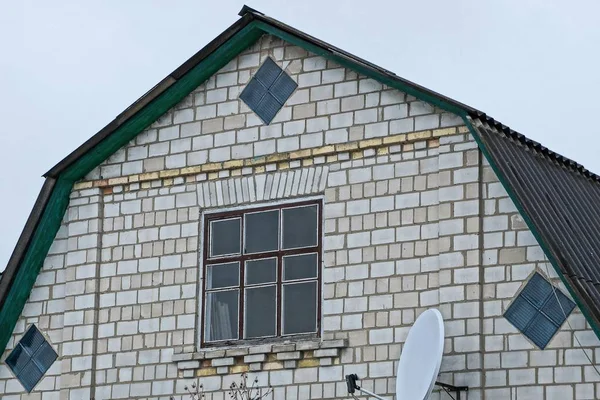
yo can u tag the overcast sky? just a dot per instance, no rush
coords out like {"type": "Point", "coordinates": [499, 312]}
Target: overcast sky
{"type": "Point", "coordinates": [67, 68]}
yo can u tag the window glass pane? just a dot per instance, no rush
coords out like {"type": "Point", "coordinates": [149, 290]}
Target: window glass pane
{"type": "Point", "coordinates": [225, 237]}
{"type": "Point", "coordinates": [44, 357]}
{"type": "Point", "coordinates": [222, 315]}
{"type": "Point", "coordinates": [267, 108]}
{"type": "Point", "coordinates": [555, 311]}
{"type": "Point", "coordinates": [32, 340]}
{"type": "Point", "coordinates": [520, 313]}
{"type": "Point", "coordinates": [537, 290]}
{"type": "Point", "coordinates": [540, 331]}
{"type": "Point", "coordinates": [261, 311]}
{"type": "Point", "coordinates": [300, 227]}
{"type": "Point", "coordinates": [268, 72]}
{"type": "Point", "coordinates": [300, 267]}
{"type": "Point", "coordinates": [17, 359]}
{"type": "Point", "coordinates": [261, 271]}
{"type": "Point", "coordinates": [253, 92]}
{"type": "Point", "coordinates": [29, 376]}
{"type": "Point", "coordinates": [262, 231]}
{"type": "Point", "coordinates": [222, 275]}
{"type": "Point", "coordinates": [299, 308]}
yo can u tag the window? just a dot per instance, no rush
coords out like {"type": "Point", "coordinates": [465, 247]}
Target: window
{"type": "Point", "coordinates": [268, 90]}
{"type": "Point", "coordinates": [262, 273]}
{"type": "Point", "coordinates": [31, 358]}
{"type": "Point", "coordinates": [539, 310]}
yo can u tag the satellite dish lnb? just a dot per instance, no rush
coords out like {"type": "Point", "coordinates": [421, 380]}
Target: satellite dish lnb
{"type": "Point", "coordinates": [419, 363]}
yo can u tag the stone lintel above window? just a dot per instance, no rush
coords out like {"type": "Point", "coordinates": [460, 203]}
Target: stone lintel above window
{"type": "Point", "coordinates": [277, 356]}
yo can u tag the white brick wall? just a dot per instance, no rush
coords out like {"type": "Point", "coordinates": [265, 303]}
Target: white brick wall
{"type": "Point", "coordinates": [419, 225]}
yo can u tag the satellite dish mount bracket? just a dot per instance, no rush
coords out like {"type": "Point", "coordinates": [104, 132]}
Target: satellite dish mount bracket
{"type": "Point", "coordinates": [451, 388]}
{"type": "Point", "coordinates": [353, 387]}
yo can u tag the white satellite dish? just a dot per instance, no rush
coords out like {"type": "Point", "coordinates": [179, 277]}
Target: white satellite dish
{"type": "Point", "coordinates": [421, 357]}
{"type": "Point", "coordinates": [419, 363]}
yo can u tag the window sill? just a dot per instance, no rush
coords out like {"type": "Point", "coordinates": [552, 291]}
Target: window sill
{"type": "Point", "coordinates": [244, 358]}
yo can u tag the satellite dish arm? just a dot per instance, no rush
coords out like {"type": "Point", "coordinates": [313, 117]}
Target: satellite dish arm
{"type": "Point", "coordinates": [352, 387]}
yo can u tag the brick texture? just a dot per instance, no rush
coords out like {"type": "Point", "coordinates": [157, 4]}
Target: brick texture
{"type": "Point", "coordinates": [410, 223]}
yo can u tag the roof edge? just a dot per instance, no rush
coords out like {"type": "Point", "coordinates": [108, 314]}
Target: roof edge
{"type": "Point", "coordinates": [25, 238]}
{"type": "Point", "coordinates": [248, 14]}
{"type": "Point", "coordinates": [152, 94]}
{"type": "Point", "coordinates": [481, 117]}
{"type": "Point", "coordinates": [340, 53]}
{"type": "Point", "coordinates": [248, 10]}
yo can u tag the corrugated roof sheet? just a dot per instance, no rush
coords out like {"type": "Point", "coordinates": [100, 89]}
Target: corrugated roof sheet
{"type": "Point", "coordinates": [560, 201]}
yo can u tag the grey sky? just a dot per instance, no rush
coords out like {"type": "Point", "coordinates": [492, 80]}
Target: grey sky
{"type": "Point", "coordinates": [67, 68]}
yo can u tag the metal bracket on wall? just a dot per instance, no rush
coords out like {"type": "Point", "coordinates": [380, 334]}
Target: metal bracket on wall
{"type": "Point", "coordinates": [451, 388]}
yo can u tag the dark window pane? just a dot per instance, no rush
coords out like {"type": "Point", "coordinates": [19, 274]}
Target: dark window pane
{"type": "Point", "coordinates": [29, 376]}
{"type": "Point", "coordinates": [225, 237]}
{"type": "Point", "coordinates": [283, 88]}
{"type": "Point", "coordinates": [44, 357]}
{"type": "Point", "coordinates": [300, 267]}
{"type": "Point", "coordinates": [262, 231]}
{"type": "Point", "coordinates": [300, 227]}
{"type": "Point", "coordinates": [260, 316]}
{"type": "Point", "coordinates": [253, 92]}
{"type": "Point", "coordinates": [537, 290]}
{"type": "Point", "coordinates": [556, 312]}
{"type": "Point", "coordinates": [299, 308]}
{"type": "Point", "coordinates": [32, 340]}
{"type": "Point", "coordinates": [222, 315]}
{"type": "Point", "coordinates": [17, 359]}
{"type": "Point", "coordinates": [520, 313]}
{"type": "Point", "coordinates": [261, 271]}
{"type": "Point", "coordinates": [541, 330]}
{"type": "Point", "coordinates": [222, 275]}
{"type": "Point", "coordinates": [268, 72]}
{"type": "Point", "coordinates": [267, 108]}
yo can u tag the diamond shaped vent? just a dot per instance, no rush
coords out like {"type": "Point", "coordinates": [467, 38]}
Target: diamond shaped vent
{"type": "Point", "coordinates": [31, 358]}
{"type": "Point", "coordinates": [268, 90]}
{"type": "Point", "coordinates": [539, 310]}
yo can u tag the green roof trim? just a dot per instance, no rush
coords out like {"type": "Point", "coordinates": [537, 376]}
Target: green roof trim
{"type": "Point", "coordinates": [171, 97]}
{"type": "Point", "coordinates": [34, 259]}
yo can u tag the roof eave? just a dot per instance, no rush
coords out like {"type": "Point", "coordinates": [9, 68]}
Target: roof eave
{"type": "Point", "coordinates": [149, 96]}
{"type": "Point", "coordinates": [24, 240]}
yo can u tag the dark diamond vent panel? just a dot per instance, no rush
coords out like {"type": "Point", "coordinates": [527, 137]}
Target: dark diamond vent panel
{"type": "Point", "coordinates": [31, 358]}
{"type": "Point", "coordinates": [268, 91]}
{"type": "Point", "coordinates": [539, 310]}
